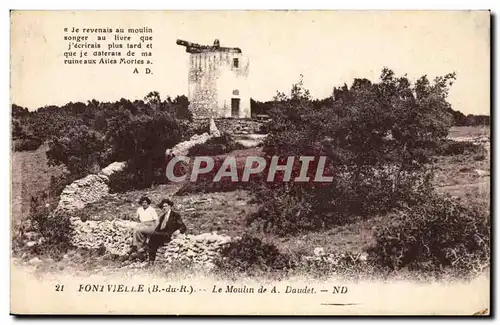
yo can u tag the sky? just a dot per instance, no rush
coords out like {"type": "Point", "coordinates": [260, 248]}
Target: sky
{"type": "Point", "coordinates": [329, 48]}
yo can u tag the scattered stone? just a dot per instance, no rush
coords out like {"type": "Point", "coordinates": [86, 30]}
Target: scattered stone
{"type": "Point", "coordinates": [319, 251]}
{"type": "Point", "coordinates": [31, 243]}
{"type": "Point", "coordinates": [481, 172]}
{"type": "Point", "coordinates": [31, 235]}
{"type": "Point", "coordinates": [35, 261]}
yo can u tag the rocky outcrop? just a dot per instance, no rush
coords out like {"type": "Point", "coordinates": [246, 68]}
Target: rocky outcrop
{"type": "Point", "coordinates": [87, 190]}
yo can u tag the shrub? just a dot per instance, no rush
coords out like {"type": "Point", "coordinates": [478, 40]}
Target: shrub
{"type": "Point", "coordinates": [263, 129]}
{"type": "Point", "coordinates": [122, 181]}
{"type": "Point", "coordinates": [205, 184]}
{"type": "Point", "coordinates": [82, 150]}
{"type": "Point", "coordinates": [57, 184]}
{"type": "Point", "coordinates": [352, 266]}
{"type": "Point", "coordinates": [434, 236]}
{"type": "Point", "coordinates": [250, 254]}
{"type": "Point", "coordinates": [27, 144]}
{"type": "Point", "coordinates": [215, 146]}
{"type": "Point", "coordinates": [198, 127]}
{"type": "Point", "coordinates": [289, 209]}
{"type": "Point", "coordinates": [133, 178]}
{"type": "Point", "coordinates": [141, 140]}
{"type": "Point", "coordinates": [286, 212]}
{"type": "Point", "coordinates": [54, 230]}
{"type": "Point", "coordinates": [452, 148]}
{"type": "Point", "coordinates": [370, 126]}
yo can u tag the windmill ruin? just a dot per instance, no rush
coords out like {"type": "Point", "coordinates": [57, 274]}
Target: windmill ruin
{"type": "Point", "coordinates": [217, 81]}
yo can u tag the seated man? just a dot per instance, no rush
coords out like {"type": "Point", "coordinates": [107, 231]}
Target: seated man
{"type": "Point", "coordinates": [169, 222]}
{"type": "Point", "coordinates": [148, 219]}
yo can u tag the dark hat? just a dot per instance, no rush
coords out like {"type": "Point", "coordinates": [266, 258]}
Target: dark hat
{"type": "Point", "coordinates": [144, 198]}
{"type": "Point", "coordinates": [165, 201]}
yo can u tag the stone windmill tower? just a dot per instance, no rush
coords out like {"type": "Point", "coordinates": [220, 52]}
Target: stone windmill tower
{"type": "Point", "coordinates": [218, 81]}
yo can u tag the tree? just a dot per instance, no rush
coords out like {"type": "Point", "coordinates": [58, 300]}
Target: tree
{"type": "Point", "coordinates": [153, 99]}
{"type": "Point", "coordinates": [142, 140]}
{"type": "Point", "coordinates": [82, 151]}
{"type": "Point", "coordinates": [180, 106]}
{"type": "Point", "coordinates": [375, 137]}
{"type": "Point", "coordinates": [419, 117]}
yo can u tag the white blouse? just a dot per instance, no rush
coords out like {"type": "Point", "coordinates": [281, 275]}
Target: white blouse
{"type": "Point", "coordinates": [147, 215]}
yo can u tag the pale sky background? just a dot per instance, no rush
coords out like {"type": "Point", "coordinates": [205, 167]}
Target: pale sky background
{"type": "Point", "coordinates": [329, 48]}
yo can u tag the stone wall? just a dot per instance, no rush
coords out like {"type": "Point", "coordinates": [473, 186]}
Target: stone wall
{"type": "Point", "coordinates": [93, 188]}
{"type": "Point", "coordinates": [116, 236]}
{"type": "Point", "coordinates": [238, 126]}
{"type": "Point", "coordinates": [182, 148]}
{"type": "Point", "coordinates": [89, 189]}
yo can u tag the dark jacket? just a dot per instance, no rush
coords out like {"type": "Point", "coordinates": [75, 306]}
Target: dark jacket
{"type": "Point", "coordinates": [174, 223]}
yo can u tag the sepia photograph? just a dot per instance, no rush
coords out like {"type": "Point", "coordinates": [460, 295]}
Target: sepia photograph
{"type": "Point", "coordinates": [279, 162]}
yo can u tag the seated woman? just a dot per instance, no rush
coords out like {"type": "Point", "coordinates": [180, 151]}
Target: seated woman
{"type": "Point", "coordinates": [169, 222]}
{"type": "Point", "coordinates": [148, 219]}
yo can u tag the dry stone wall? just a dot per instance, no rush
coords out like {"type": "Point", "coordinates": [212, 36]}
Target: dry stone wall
{"type": "Point", "coordinates": [182, 148]}
{"type": "Point", "coordinates": [93, 188]}
{"type": "Point", "coordinates": [116, 236]}
{"type": "Point", "coordinates": [87, 190]}
{"type": "Point", "coordinates": [238, 126]}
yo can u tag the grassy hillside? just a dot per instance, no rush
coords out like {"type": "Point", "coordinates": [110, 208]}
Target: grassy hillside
{"type": "Point", "coordinates": [30, 175]}
{"type": "Point", "coordinates": [226, 212]}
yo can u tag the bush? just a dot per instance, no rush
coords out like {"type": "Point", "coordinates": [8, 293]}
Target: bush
{"type": "Point", "coordinates": [122, 181]}
{"type": "Point", "coordinates": [205, 184]}
{"type": "Point", "coordinates": [57, 184]}
{"type": "Point", "coordinates": [27, 144]}
{"type": "Point", "coordinates": [250, 254]}
{"type": "Point", "coordinates": [452, 148]}
{"type": "Point", "coordinates": [56, 231]}
{"type": "Point", "coordinates": [353, 266]}
{"type": "Point", "coordinates": [286, 212]}
{"type": "Point", "coordinates": [437, 235]}
{"type": "Point", "coordinates": [53, 231]}
{"type": "Point", "coordinates": [370, 126]}
{"type": "Point", "coordinates": [215, 146]}
{"type": "Point", "coordinates": [132, 178]}
{"type": "Point", "coordinates": [289, 209]}
{"type": "Point", "coordinates": [82, 150]}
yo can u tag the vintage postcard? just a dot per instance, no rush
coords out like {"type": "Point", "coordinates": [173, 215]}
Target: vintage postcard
{"type": "Point", "coordinates": [250, 162]}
